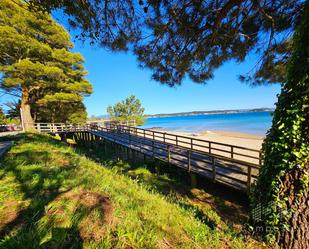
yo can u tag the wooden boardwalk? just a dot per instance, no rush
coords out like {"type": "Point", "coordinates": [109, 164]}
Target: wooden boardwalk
{"type": "Point", "coordinates": [230, 165]}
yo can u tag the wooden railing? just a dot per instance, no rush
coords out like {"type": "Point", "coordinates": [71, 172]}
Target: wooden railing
{"type": "Point", "coordinates": [200, 145]}
{"type": "Point", "coordinates": [109, 123]}
{"type": "Point", "coordinates": [230, 171]}
{"type": "Point", "coordinates": [211, 147]}
{"type": "Point", "coordinates": [58, 127]}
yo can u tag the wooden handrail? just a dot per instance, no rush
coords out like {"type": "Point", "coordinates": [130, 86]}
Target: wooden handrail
{"type": "Point", "coordinates": [228, 159]}
{"type": "Point", "coordinates": [192, 144]}
{"type": "Point", "coordinates": [197, 139]}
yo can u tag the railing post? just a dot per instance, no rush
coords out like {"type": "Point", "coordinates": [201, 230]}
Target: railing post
{"type": "Point", "coordinates": [140, 144]}
{"type": "Point", "coordinates": [153, 136]}
{"type": "Point", "coordinates": [176, 140]}
{"type": "Point", "coordinates": [164, 137]}
{"type": "Point", "coordinates": [129, 139]}
{"type": "Point", "coordinates": [249, 178]}
{"type": "Point", "coordinates": [189, 160]}
{"type": "Point", "coordinates": [260, 158]}
{"type": "Point", "coordinates": [169, 154]}
{"type": "Point", "coordinates": [191, 144]}
{"type": "Point", "coordinates": [38, 127]}
{"type": "Point", "coordinates": [209, 144]}
{"type": "Point", "coordinates": [232, 151]}
{"type": "Point", "coordinates": [213, 169]}
{"type": "Point", "coordinates": [144, 133]}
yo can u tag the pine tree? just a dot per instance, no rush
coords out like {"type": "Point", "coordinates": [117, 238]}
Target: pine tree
{"type": "Point", "coordinates": [128, 109]}
{"type": "Point", "coordinates": [36, 61]}
{"type": "Point", "coordinates": [186, 38]}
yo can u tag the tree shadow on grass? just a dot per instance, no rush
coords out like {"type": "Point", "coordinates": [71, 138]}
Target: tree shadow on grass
{"type": "Point", "coordinates": [229, 205]}
{"type": "Point", "coordinates": [31, 172]}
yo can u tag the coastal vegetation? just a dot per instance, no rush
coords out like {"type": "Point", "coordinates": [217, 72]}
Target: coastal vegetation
{"type": "Point", "coordinates": [38, 67]}
{"type": "Point", "coordinates": [127, 110]}
{"type": "Point", "coordinates": [53, 196]}
{"type": "Point", "coordinates": [193, 38]}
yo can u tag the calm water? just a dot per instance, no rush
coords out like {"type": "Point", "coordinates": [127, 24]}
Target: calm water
{"type": "Point", "coordinates": [250, 122]}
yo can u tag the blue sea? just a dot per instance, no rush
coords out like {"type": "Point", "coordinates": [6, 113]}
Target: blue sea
{"type": "Point", "coordinates": [249, 122]}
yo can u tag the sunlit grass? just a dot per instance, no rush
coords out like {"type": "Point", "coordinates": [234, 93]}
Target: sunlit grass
{"type": "Point", "coordinates": [52, 197]}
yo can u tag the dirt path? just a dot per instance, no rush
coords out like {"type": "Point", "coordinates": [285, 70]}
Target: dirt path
{"type": "Point", "coordinates": [9, 133]}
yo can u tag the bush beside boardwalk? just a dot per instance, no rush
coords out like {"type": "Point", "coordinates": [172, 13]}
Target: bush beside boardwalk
{"type": "Point", "coordinates": [50, 196]}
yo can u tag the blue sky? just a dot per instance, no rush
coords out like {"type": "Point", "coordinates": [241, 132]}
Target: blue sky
{"type": "Point", "coordinates": [117, 75]}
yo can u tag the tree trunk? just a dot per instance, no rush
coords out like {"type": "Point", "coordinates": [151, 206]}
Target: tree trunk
{"type": "Point", "coordinates": [297, 236]}
{"type": "Point", "coordinates": [26, 110]}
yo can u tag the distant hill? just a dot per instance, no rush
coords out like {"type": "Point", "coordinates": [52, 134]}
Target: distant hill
{"type": "Point", "coordinates": [210, 112]}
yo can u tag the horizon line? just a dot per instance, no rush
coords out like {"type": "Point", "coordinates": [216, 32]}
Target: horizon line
{"type": "Point", "coordinates": [210, 111]}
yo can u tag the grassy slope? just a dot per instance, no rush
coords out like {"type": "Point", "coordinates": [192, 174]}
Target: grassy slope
{"type": "Point", "coordinates": [52, 197]}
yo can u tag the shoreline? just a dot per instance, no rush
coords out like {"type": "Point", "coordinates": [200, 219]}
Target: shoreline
{"type": "Point", "coordinates": [215, 112]}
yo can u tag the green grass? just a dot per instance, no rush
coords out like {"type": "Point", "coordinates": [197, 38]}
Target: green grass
{"type": "Point", "coordinates": [53, 197]}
